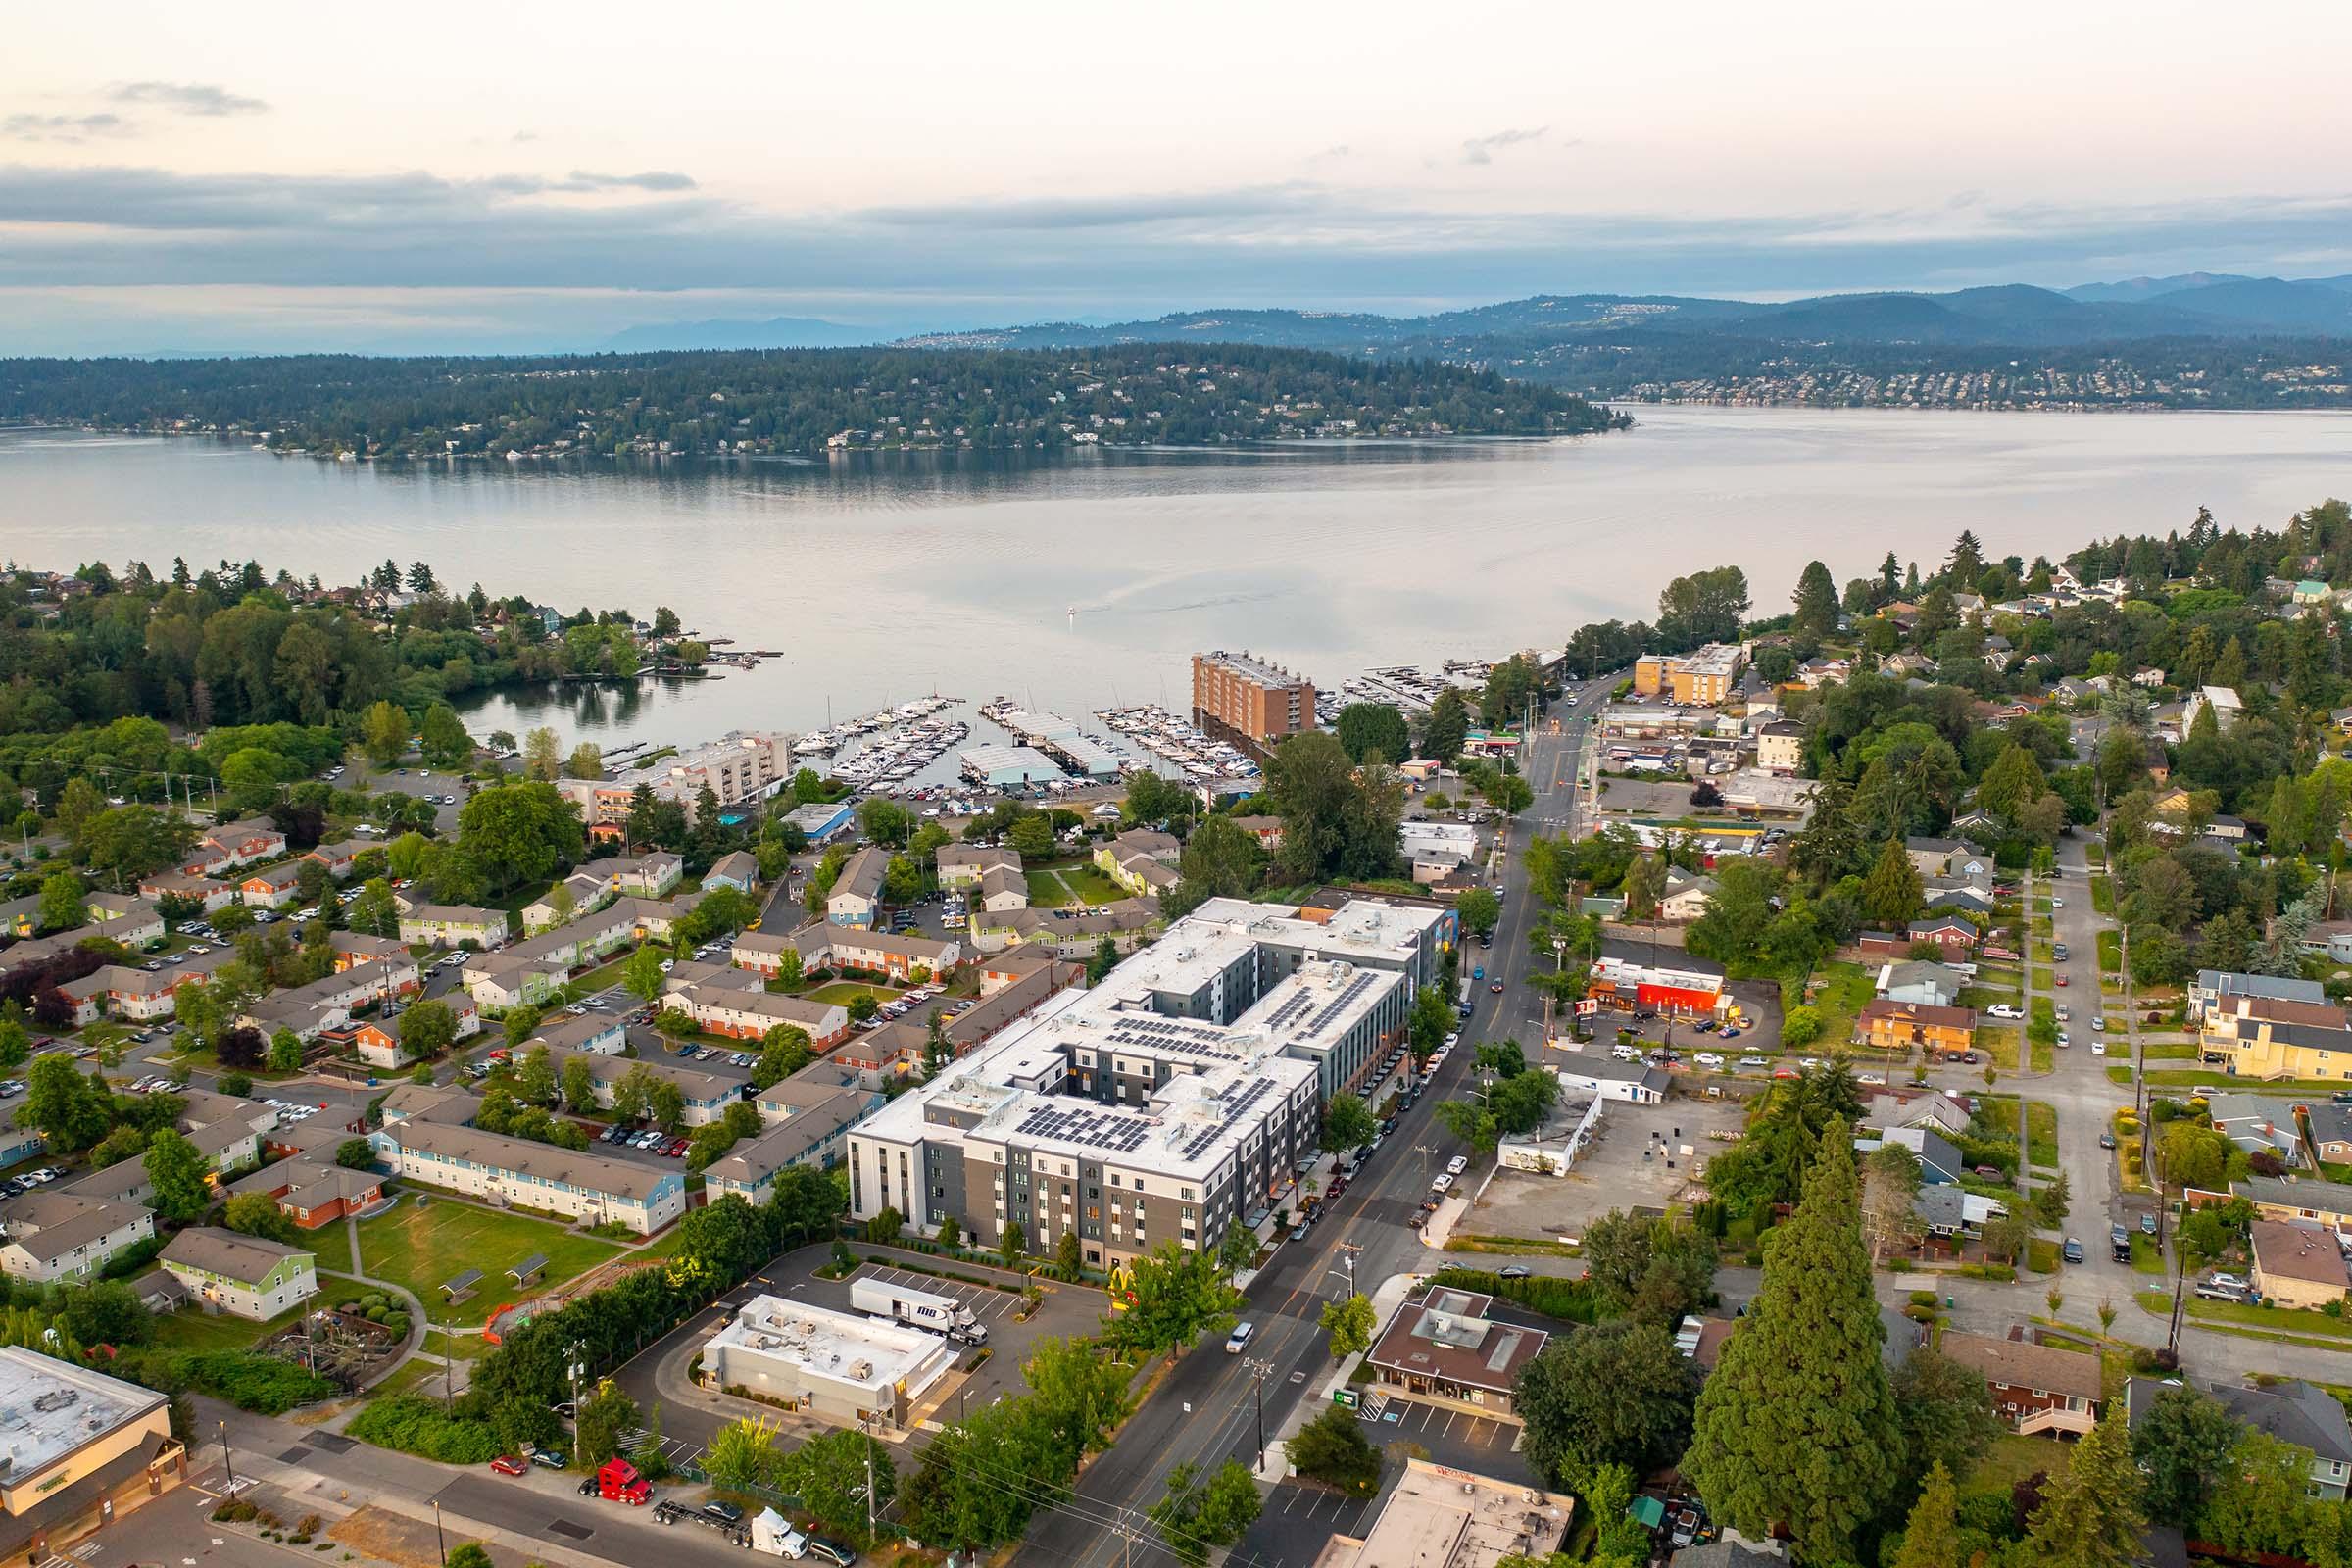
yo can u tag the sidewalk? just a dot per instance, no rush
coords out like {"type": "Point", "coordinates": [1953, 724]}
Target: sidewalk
{"type": "Point", "coordinates": [1386, 1297]}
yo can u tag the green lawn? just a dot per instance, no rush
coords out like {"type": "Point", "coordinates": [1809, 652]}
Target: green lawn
{"type": "Point", "coordinates": [1999, 1042]}
{"type": "Point", "coordinates": [193, 1329]}
{"type": "Point", "coordinates": [2042, 1132]}
{"type": "Point", "coordinates": [846, 992]}
{"type": "Point", "coordinates": [422, 1245]}
{"type": "Point", "coordinates": [1846, 989]}
{"type": "Point", "coordinates": [2146, 1259]}
{"type": "Point", "coordinates": [1054, 887]}
{"type": "Point", "coordinates": [2013, 1459]}
{"type": "Point", "coordinates": [332, 1244]}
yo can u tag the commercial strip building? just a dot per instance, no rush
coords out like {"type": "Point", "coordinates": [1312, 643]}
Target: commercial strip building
{"type": "Point", "coordinates": [1250, 701]}
{"type": "Point", "coordinates": [83, 1448]}
{"type": "Point", "coordinates": [839, 1367]}
{"type": "Point", "coordinates": [1443, 1346]}
{"type": "Point", "coordinates": [1449, 1518]}
{"type": "Point", "coordinates": [1172, 1100]}
{"type": "Point", "coordinates": [1681, 991]}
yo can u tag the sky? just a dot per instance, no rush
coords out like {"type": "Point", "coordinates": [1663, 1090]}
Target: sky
{"type": "Point", "coordinates": [269, 176]}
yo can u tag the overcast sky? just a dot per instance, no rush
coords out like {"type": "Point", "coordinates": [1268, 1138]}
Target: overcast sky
{"type": "Point", "coordinates": [273, 176]}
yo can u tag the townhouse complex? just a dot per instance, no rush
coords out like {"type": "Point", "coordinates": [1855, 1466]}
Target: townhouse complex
{"type": "Point", "coordinates": [1175, 1099]}
{"type": "Point", "coordinates": [738, 766]}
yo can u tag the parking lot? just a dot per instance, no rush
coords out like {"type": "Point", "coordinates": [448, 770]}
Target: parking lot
{"type": "Point", "coordinates": [1636, 1162]}
{"type": "Point", "coordinates": [1068, 1311]}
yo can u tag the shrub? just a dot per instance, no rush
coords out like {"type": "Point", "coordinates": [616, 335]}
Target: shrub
{"type": "Point", "coordinates": [413, 1425]}
{"type": "Point", "coordinates": [261, 1384]}
{"type": "Point", "coordinates": [1570, 1301]}
{"type": "Point", "coordinates": [1923, 1297]}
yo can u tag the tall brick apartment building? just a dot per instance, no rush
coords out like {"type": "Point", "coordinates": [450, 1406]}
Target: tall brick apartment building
{"type": "Point", "coordinates": [1249, 701]}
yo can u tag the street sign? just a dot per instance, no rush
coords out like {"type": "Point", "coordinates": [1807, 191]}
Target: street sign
{"type": "Point", "coordinates": [1344, 1396]}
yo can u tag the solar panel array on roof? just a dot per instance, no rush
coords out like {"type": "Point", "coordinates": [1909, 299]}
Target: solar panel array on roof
{"type": "Point", "coordinates": [1167, 1034]}
{"type": "Point", "coordinates": [1297, 1003]}
{"type": "Point", "coordinates": [1235, 1103]}
{"type": "Point", "coordinates": [1078, 1125]}
{"type": "Point", "coordinates": [1339, 1005]}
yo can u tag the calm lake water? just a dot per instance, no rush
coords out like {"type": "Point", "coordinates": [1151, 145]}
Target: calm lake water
{"type": "Point", "coordinates": [1076, 585]}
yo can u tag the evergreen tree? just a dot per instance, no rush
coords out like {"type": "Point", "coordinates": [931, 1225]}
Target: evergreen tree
{"type": "Point", "coordinates": [1449, 721]}
{"type": "Point", "coordinates": [1797, 1425]}
{"type": "Point", "coordinates": [1967, 562]}
{"type": "Point", "coordinates": [1931, 1539]}
{"type": "Point", "coordinates": [2090, 1516]}
{"type": "Point", "coordinates": [1816, 600]}
{"type": "Point", "coordinates": [1891, 893]}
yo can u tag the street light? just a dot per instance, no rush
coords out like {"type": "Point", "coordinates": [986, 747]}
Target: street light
{"type": "Point", "coordinates": [228, 1460]}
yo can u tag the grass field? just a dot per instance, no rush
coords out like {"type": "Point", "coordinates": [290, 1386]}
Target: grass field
{"type": "Point", "coordinates": [2042, 1132]}
{"type": "Point", "coordinates": [2013, 1459]}
{"type": "Point", "coordinates": [1054, 887]}
{"type": "Point", "coordinates": [422, 1245]}
{"type": "Point", "coordinates": [192, 1329]}
{"type": "Point", "coordinates": [2277, 1319]}
{"type": "Point", "coordinates": [1846, 989]}
{"type": "Point", "coordinates": [1999, 1042]}
{"type": "Point", "coordinates": [846, 992]}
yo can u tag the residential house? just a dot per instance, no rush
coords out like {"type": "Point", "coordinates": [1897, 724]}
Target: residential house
{"type": "Point", "coordinates": [209, 893]}
{"type": "Point", "coordinates": [1071, 933]}
{"type": "Point", "coordinates": [763, 951]}
{"type": "Point", "coordinates": [239, 843]}
{"type": "Point", "coordinates": [246, 1276]}
{"type": "Point", "coordinates": [1943, 1109]}
{"type": "Point", "coordinates": [1939, 1163]}
{"type": "Point", "coordinates": [2288, 1199]}
{"type": "Point", "coordinates": [737, 868]}
{"type": "Point", "coordinates": [815, 1136]}
{"type": "Point", "coordinates": [1947, 857]}
{"type": "Point", "coordinates": [1953, 1213]}
{"type": "Point", "coordinates": [2254, 1123]}
{"type": "Point", "coordinates": [2330, 939]}
{"type": "Point", "coordinates": [1936, 984]}
{"type": "Point", "coordinates": [596, 1033]}
{"type": "Point", "coordinates": [2330, 1127]}
{"type": "Point", "coordinates": [747, 1014]}
{"type": "Point", "coordinates": [1781, 747]}
{"type": "Point", "coordinates": [2298, 1264]}
{"type": "Point", "coordinates": [452, 925]}
{"type": "Point", "coordinates": [2222, 700]}
{"type": "Point", "coordinates": [341, 859]}
{"type": "Point", "coordinates": [56, 1237]}
{"type": "Point", "coordinates": [2258, 1038]}
{"type": "Point", "coordinates": [705, 1096]}
{"type": "Point", "coordinates": [540, 1176]}
{"type": "Point", "coordinates": [1268, 830]}
{"type": "Point", "coordinates": [1141, 861]}
{"type": "Point", "coordinates": [1902, 1025]}
{"type": "Point", "coordinates": [272, 886]}
{"type": "Point", "coordinates": [2293, 1411]}
{"type": "Point", "coordinates": [312, 1192]}
{"type": "Point", "coordinates": [856, 898]}
{"type": "Point", "coordinates": [581, 894]}
{"type": "Point", "coordinates": [1687, 896]}
{"type": "Point", "coordinates": [2036, 1387]}
{"type": "Point", "coordinates": [2214, 986]}
{"type": "Point", "coordinates": [962, 865]}
{"type": "Point", "coordinates": [1955, 936]}
{"type": "Point", "coordinates": [1000, 890]}
{"type": "Point", "coordinates": [891, 955]}
{"type": "Point", "coordinates": [1957, 896]}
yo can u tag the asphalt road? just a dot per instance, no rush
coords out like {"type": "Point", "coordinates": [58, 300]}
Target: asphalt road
{"type": "Point", "coordinates": [1206, 1410]}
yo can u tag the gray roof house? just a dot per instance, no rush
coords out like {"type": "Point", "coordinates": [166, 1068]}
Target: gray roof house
{"type": "Point", "coordinates": [2293, 1412]}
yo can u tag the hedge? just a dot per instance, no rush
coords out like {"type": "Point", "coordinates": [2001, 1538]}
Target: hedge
{"type": "Point", "coordinates": [1570, 1301]}
{"type": "Point", "coordinates": [415, 1424]}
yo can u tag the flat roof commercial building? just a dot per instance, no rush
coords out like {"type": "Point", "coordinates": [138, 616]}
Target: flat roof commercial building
{"type": "Point", "coordinates": [1446, 1518]}
{"type": "Point", "coordinates": [81, 1447]}
{"type": "Point", "coordinates": [1242, 697]}
{"type": "Point", "coordinates": [996, 768]}
{"type": "Point", "coordinates": [1444, 1347]}
{"type": "Point", "coordinates": [835, 1365]}
{"type": "Point", "coordinates": [1705, 674]}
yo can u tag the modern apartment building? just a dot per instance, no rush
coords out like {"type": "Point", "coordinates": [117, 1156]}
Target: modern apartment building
{"type": "Point", "coordinates": [1707, 675]}
{"type": "Point", "coordinates": [1243, 698]}
{"type": "Point", "coordinates": [1174, 1100]}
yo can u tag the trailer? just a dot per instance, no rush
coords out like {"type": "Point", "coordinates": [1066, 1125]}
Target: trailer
{"type": "Point", "coordinates": [920, 1309]}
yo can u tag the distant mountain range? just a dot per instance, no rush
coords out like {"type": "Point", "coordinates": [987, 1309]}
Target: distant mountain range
{"type": "Point", "coordinates": [2193, 305]}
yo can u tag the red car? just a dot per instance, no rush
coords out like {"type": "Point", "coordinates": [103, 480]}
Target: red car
{"type": "Point", "coordinates": [506, 1464]}
{"type": "Point", "coordinates": [1497, 988]}
{"type": "Point", "coordinates": [2062, 977]}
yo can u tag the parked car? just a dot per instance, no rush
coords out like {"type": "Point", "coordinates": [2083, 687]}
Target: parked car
{"type": "Point", "coordinates": [1516, 1271]}
{"type": "Point", "coordinates": [2073, 1251]}
{"type": "Point", "coordinates": [506, 1464]}
{"type": "Point", "coordinates": [2106, 1140]}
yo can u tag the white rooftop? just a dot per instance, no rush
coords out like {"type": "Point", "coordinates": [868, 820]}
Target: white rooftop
{"type": "Point", "coordinates": [49, 1409]}
{"type": "Point", "coordinates": [838, 1346]}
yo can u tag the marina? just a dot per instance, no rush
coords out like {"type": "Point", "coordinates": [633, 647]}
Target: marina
{"type": "Point", "coordinates": [1188, 751]}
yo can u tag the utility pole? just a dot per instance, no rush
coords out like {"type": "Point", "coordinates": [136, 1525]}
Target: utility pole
{"type": "Point", "coordinates": [576, 1354]}
{"type": "Point", "coordinates": [438, 1534]}
{"type": "Point", "coordinates": [228, 1460]}
{"type": "Point", "coordinates": [1259, 1371]}
{"type": "Point", "coordinates": [870, 1482]}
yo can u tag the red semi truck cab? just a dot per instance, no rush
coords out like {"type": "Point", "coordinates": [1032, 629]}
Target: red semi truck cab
{"type": "Point", "coordinates": [619, 1482]}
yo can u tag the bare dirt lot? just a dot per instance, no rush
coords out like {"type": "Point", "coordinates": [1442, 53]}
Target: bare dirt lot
{"type": "Point", "coordinates": [1637, 1162]}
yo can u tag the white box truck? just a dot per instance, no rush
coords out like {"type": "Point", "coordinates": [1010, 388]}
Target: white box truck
{"type": "Point", "coordinates": [897, 1303]}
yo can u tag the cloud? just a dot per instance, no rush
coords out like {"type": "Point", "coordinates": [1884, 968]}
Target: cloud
{"type": "Point", "coordinates": [63, 127]}
{"type": "Point", "coordinates": [77, 234]}
{"type": "Point", "coordinates": [1481, 149]}
{"type": "Point", "coordinates": [660, 179]}
{"type": "Point", "coordinates": [188, 98]}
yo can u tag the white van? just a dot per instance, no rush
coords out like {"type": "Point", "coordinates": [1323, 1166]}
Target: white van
{"type": "Point", "coordinates": [1240, 1338]}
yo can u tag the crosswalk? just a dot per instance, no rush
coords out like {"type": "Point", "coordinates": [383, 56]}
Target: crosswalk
{"type": "Point", "coordinates": [680, 1453]}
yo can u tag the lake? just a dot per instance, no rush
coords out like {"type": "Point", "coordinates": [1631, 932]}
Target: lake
{"type": "Point", "coordinates": [1081, 583]}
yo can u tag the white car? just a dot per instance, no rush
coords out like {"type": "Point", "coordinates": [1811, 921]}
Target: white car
{"type": "Point", "coordinates": [1458, 1165]}
{"type": "Point", "coordinates": [1443, 1184]}
{"type": "Point", "coordinates": [2062, 1038]}
{"type": "Point", "coordinates": [2001, 1010]}
{"type": "Point", "coordinates": [1708, 1059]}
{"type": "Point", "coordinates": [2098, 1026]}
{"type": "Point", "coordinates": [2098, 1047]}
{"type": "Point", "coordinates": [1449, 1041]}
{"type": "Point", "coordinates": [1754, 1061]}
{"type": "Point", "coordinates": [2057, 903]}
